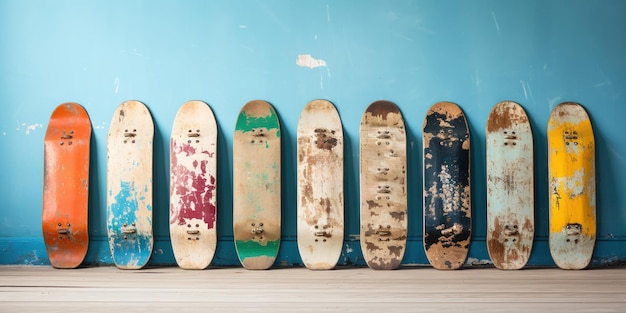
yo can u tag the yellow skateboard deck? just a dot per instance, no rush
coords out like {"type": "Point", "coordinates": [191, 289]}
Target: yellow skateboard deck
{"type": "Point", "coordinates": [572, 177]}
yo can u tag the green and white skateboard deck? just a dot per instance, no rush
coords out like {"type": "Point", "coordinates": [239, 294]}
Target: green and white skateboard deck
{"type": "Point", "coordinates": [383, 186]}
{"type": "Point", "coordinates": [257, 185]}
{"type": "Point", "coordinates": [193, 172]}
{"type": "Point", "coordinates": [510, 200]}
{"type": "Point", "coordinates": [320, 185]}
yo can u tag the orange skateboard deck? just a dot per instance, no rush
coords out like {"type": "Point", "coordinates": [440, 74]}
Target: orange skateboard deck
{"type": "Point", "coordinates": [572, 177]}
{"type": "Point", "coordinates": [129, 185]}
{"type": "Point", "coordinates": [383, 186]}
{"type": "Point", "coordinates": [193, 172]}
{"type": "Point", "coordinates": [447, 205]}
{"type": "Point", "coordinates": [66, 186]}
{"type": "Point", "coordinates": [257, 185]}
{"type": "Point", "coordinates": [510, 200]}
{"type": "Point", "coordinates": [320, 185]}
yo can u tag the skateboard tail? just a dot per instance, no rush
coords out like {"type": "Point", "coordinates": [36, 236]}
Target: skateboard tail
{"type": "Point", "coordinates": [131, 245]}
{"type": "Point", "coordinates": [255, 255]}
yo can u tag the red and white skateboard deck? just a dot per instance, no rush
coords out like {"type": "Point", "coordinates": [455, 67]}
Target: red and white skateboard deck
{"type": "Point", "coordinates": [193, 172]}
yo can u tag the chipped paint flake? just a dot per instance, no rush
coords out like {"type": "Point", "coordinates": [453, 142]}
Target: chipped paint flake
{"type": "Point", "coordinates": [306, 60]}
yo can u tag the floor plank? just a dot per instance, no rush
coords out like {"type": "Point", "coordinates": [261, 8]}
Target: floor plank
{"type": "Point", "coordinates": [170, 289]}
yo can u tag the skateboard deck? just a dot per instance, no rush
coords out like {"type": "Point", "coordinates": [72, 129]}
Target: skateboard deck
{"type": "Point", "coordinates": [193, 168]}
{"type": "Point", "coordinates": [572, 177]}
{"type": "Point", "coordinates": [129, 185]}
{"type": "Point", "coordinates": [510, 188]}
{"type": "Point", "coordinates": [383, 186]}
{"type": "Point", "coordinates": [66, 185]}
{"type": "Point", "coordinates": [447, 207]}
{"type": "Point", "coordinates": [320, 185]}
{"type": "Point", "coordinates": [257, 185]}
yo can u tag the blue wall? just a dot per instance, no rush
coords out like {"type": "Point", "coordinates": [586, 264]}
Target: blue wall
{"type": "Point", "coordinates": [414, 53]}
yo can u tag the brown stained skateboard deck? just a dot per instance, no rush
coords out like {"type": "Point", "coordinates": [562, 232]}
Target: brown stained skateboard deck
{"type": "Point", "coordinates": [257, 185]}
{"type": "Point", "coordinates": [193, 169]}
{"type": "Point", "coordinates": [383, 186]}
{"type": "Point", "coordinates": [572, 177]}
{"type": "Point", "coordinates": [510, 188]}
{"type": "Point", "coordinates": [447, 205]}
{"type": "Point", "coordinates": [66, 186]}
{"type": "Point", "coordinates": [320, 185]}
{"type": "Point", "coordinates": [129, 185]}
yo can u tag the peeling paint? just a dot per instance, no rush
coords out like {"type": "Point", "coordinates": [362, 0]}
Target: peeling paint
{"type": "Point", "coordinates": [306, 60]}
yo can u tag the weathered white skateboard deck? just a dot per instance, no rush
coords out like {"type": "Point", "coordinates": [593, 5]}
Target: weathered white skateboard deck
{"type": "Point", "coordinates": [383, 186]}
{"type": "Point", "coordinates": [510, 200]}
{"type": "Point", "coordinates": [257, 185]}
{"type": "Point", "coordinates": [572, 177]}
{"type": "Point", "coordinates": [320, 185]}
{"type": "Point", "coordinates": [129, 185]}
{"type": "Point", "coordinates": [193, 169]}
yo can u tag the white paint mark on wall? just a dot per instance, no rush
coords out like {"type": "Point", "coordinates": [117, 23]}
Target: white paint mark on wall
{"type": "Point", "coordinates": [100, 126]}
{"type": "Point", "coordinates": [243, 26]}
{"type": "Point", "coordinates": [524, 87]}
{"type": "Point", "coordinates": [28, 127]}
{"type": "Point", "coordinates": [495, 21]}
{"type": "Point", "coordinates": [32, 127]}
{"type": "Point", "coordinates": [348, 249]}
{"type": "Point", "coordinates": [4, 133]}
{"type": "Point", "coordinates": [554, 101]}
{"type": "Point", "coordinates": [116, 83]}
{"type": "Point", "coordinates": [476, 79]}
{"type": "Point", "coordinates": [327, 13]}
{"type": "Point", "coordinates": [306, 60]}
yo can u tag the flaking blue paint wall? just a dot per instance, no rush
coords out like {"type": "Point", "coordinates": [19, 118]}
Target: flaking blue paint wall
{"type": "Point", "coordinates": [414, 53]}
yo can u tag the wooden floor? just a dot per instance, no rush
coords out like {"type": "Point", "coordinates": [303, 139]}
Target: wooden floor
{"type": "Point", "coordinates": [294, 290]}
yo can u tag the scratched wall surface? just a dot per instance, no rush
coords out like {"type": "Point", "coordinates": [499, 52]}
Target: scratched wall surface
{"type": "Point", "coordinates": [415, 53]}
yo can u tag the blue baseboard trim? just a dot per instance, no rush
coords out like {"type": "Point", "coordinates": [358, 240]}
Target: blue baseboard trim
{"type": "Point", "coordinates": [31, 251]}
